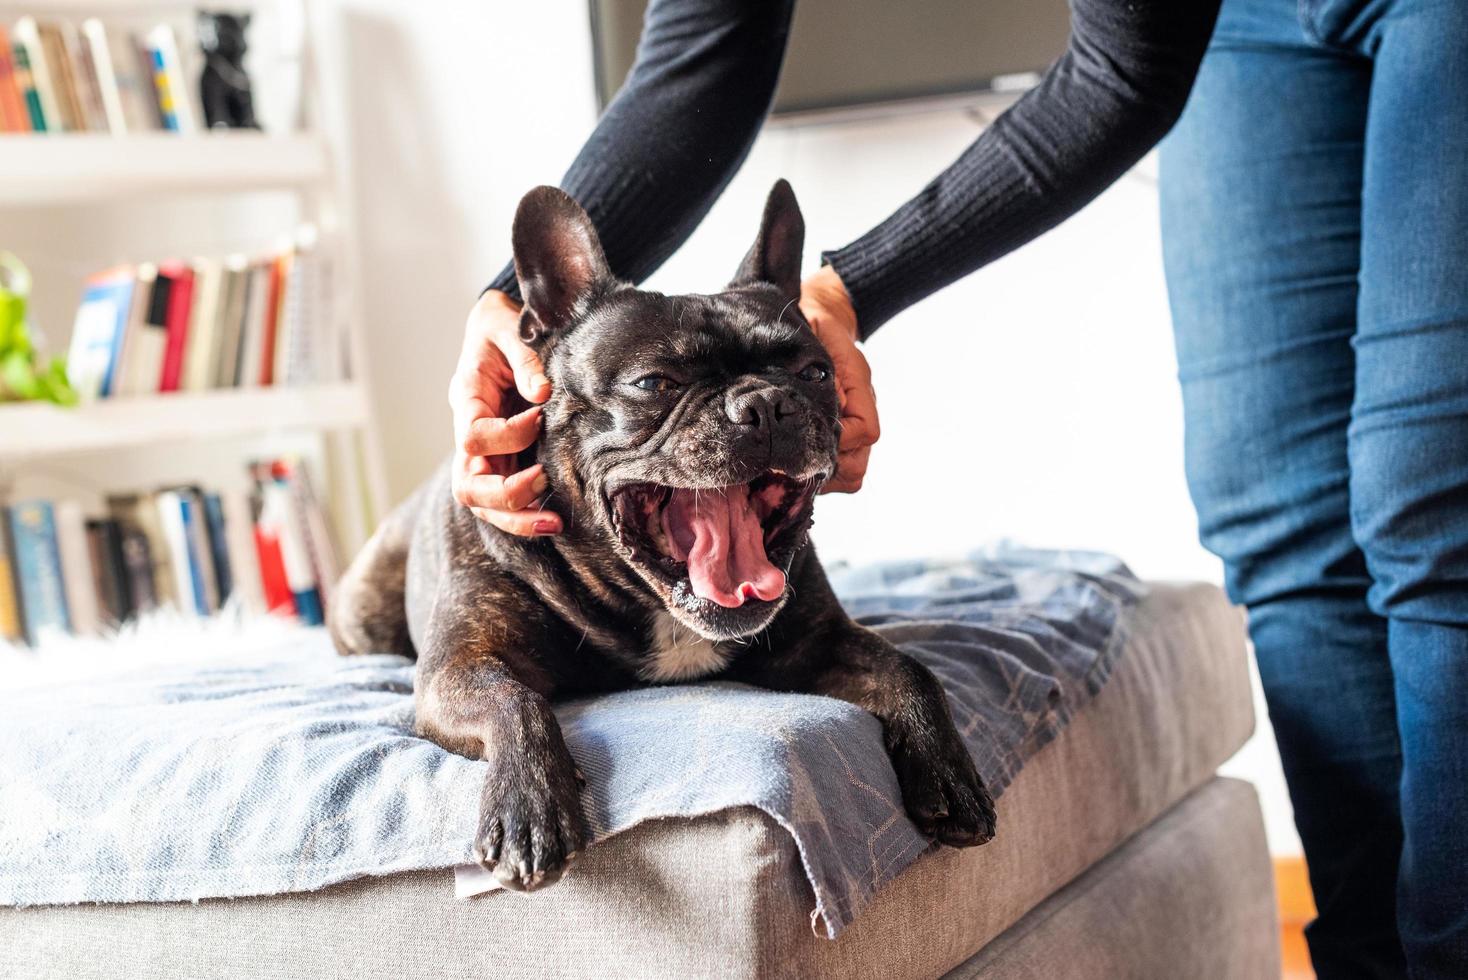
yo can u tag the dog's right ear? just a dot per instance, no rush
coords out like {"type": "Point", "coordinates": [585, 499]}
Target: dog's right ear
{"type": "Point", "coordinates": [558, 260]}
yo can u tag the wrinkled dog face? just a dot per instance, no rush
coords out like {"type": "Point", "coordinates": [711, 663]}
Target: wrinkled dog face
{"type": "Point", "coordinates": [691, 431]}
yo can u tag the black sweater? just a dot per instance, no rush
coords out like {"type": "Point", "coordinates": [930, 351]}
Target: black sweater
{"type": "Point", "coordinates": [702, 85]}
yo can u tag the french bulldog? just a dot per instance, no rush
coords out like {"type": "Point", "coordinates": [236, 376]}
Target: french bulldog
{"type": "Point", "coordinates": [685, 441]}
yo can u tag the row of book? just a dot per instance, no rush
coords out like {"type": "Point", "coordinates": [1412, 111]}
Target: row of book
{"type": "Point", "coordinates": [209, 323]}
{"type": "Point", "coordinates": [64, 572]}
{"type": "Point", "coordinates": [60, 77]}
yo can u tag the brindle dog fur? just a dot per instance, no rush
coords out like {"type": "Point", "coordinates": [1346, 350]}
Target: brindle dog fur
{"type": "Point", "coordinates": [503, 626]}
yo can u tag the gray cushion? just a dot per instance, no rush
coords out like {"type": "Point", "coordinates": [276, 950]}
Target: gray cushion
{"type": "Point", "coordinates": [1192, 895]}
{"type": "Point", "coordinates": [723, 895]}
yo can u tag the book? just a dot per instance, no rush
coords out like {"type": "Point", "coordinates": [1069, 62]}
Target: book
{"type": "Point", "coordinates": [143, 341]}
{"type": "Point", "coordinates": [201, 555]}
{"type": "Point", "coordinates": [304, 315]}
{"type": "Point", "coordinates": [141, 58]}
{"type": "Point", "coordinates": [84, 77]}
{"type": "Point", "coordinates": [252, 331]}
{"type": "Point", "coordinates": [231, 321]}
{"type": "Point", "coordinates": [314, 529]}
{"type": "Point", "coordinates": [109, 571]}
{"type": "Point", "coordinates": [218, 546]}
{"type": "Point", "coordinates": [138, 516]}
{"type": "Point", "coordinates": [288, 328]}
{"type": "Point", "coordinates": [104, 75]}
{"type": "Point", "coordinates": [189, 591]}
{"type": "Point", "coordinates": [139, 569]}
{"type": "Point", "coordinates": [15, 117]}
{"type": "Point", "coordinates": [176, 320]}
{"type": "Point", "coordinates": [76, 567]}
{"type": "Point", "coordinates": [97, 334]}
{"type": "Point", "coordinates": [279, 270]}
{"type": "Point", "coordinates": [46, 113]}
{"type": "Point", "coordinates": [12, 625]}
{"type": "Point", "coordinates": [20, 66]}
{"type": "Point", "coordinates": [244, 561]}
{"type": "Point", "coordinates": [63, 79]}
{"type": "Point", "coordinates": [203, 332]}
{"type": "Point", "coordinates": [271, 521]}
{"type": "Point", "coordinates": [191, 70]}
{"type": "Point", "coordinates": [37, 571]}
{"type": "Point", "coordinates": [174, 100]}
{"type": "Point", "coordinates": [282, 511]}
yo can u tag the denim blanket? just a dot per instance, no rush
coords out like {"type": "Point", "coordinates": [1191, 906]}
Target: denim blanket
{"type": "Point", "coordinates": [286, 768]}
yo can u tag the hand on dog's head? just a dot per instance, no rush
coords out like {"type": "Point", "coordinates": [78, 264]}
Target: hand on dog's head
{"type": "Point", "coordinates": [689, 432]}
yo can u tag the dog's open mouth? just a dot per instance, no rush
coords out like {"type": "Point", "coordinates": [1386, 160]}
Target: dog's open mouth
{"type": "Point", "coordinates": [725, 541]}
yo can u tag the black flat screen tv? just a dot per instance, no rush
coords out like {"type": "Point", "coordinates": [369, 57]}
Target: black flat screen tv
{"type": "Point", "coordinates": [855, 54]}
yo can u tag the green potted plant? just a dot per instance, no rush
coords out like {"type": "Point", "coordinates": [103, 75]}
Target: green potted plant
{"type": "Point", "coordinates": [24, 374]}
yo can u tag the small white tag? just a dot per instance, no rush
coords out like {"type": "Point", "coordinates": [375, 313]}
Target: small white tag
{"type": "Point", "coordinates": [471, 880]}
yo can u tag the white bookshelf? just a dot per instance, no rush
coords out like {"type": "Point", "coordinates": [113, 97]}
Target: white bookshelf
{"type": "Point", "coordinates": [35, 430]}
{"type": "Point", "coordinates": [97, 171]}
{"type": "Point", "coordinates": [45, 169]}
{"type": "Point", "coordinates": [128, 8]}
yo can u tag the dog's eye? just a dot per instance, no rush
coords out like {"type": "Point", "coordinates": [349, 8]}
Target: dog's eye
{"type": "Point", "coordinates": [656, 382]}
{"type": "Point", "coordinates": [813, 372]}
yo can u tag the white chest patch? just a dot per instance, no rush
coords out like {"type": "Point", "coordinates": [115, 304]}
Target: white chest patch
{"type": "Point", "coordinates": [678, 653]}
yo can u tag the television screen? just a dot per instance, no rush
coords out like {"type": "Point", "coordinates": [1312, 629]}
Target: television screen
{"type": "Point", "coordinates": [847, 54]}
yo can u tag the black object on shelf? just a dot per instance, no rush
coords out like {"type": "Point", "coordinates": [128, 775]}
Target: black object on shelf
{"type": "Point", "coordinates": [224, 86]}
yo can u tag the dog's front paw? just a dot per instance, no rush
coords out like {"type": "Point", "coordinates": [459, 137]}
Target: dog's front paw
{"type": "Point", "coordinates": [530, 825]}
{"type": "Point", "coordinates": [942, 791]}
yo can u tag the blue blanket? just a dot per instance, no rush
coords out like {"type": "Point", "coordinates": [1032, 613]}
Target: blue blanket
{"type": "Point", "coordinates": [291, 768]}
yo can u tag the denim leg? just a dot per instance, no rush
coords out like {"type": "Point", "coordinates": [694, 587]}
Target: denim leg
{"type": "Point", "coordinates": [1261, 211]}
{"type": "Point", "coordinates": [1409, 446]}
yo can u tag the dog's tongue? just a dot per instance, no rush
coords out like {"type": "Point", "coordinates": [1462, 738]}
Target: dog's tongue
{"type": "Point", "coordinates": [718, 534]}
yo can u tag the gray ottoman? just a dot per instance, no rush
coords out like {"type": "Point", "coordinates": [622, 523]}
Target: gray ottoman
{"type": "Point", "coordinates": [1120, 854]}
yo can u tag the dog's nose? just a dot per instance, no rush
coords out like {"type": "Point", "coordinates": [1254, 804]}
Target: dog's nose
{"type": "Point", "coordinates": [762, 408]}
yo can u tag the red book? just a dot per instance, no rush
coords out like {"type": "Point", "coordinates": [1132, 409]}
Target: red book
{"type": "Point", "coordinates": [180, 304]}
{"type": "Point", "coordinates": [272, 319]}
{"type": "Point", "coordinates": [272, 572]}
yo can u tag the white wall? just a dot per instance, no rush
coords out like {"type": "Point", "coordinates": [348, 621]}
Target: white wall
{"type": "Point", "coordinates": [1035, 401]}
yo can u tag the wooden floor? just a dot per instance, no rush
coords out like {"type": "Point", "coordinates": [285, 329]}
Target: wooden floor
{"type": "Point", "coordinates": [1296, 907]}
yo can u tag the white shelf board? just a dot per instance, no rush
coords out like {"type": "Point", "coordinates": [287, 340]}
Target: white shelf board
{"type": "Point", "coordinates": [50, 168]}
{"type": "Point", "coordinates": [33, 430]}
{"type": "Point", "coordinates": [113, 8]}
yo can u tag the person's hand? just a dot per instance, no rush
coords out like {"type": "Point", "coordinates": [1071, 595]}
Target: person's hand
{"type": "Point", "coordinates": [825, 303]}
{"type": "Point", "coordinates": [493, 363]}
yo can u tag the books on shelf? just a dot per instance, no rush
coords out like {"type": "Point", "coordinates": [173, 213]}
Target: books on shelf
{"type": "Point", "coordinates": [207, 323]}
{"type": "Point", "coordinates": [35, 560]}
{"type": "Point", "coordinates": [57, 76]}
{"type": "Point", "coordinates": [63, 571]}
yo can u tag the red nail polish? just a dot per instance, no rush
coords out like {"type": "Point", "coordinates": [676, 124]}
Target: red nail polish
{"type": "Point", "coordinates": [544, 527]}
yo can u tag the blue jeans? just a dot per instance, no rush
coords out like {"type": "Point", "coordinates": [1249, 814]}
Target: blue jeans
{"type": "Point", "coordinates": [1315, 231]}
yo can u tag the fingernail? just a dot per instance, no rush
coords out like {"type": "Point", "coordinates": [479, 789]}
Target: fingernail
{"type": "Point", "coordinates": [540, 381]}
{"type": "Point", "coordinates": [541, 482]}
{"type": "Point", "coordinates": [544, 527]}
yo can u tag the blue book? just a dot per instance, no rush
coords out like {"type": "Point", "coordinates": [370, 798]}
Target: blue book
{"type": "Point", "coordinates": [38, 570]}
{"type": "Point", "coordinates": [218, 545]}
{"type": "Point", "coordinates": [308, 606]}
{"type": "Point", "coordinates": [193, 525]}
{"type": "Point", "coordinates": [167, 98]}
{"type": "Point", "coordinates": [97, 336]}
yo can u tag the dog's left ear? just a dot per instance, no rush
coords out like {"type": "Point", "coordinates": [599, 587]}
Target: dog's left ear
{"type": "Point", "coordinates": [775, 256]}
{"type": "Point", "coordinates": [558, 261]}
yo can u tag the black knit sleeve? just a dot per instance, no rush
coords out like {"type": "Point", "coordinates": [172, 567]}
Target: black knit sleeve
{"type": "Point", "coordinates": [1116, 91]}
{"type": "Point", "coordinates": [678, 130]}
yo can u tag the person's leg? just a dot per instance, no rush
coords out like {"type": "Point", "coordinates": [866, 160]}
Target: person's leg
{"type": "Point", "coordinates": [1409, 446]}
{"type": "Point", "coordinates": [1261, 198]}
